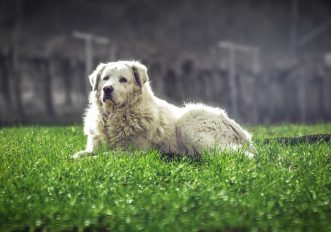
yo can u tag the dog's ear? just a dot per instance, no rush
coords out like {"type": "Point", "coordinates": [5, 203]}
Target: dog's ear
{"type": "Point", "coordinates": [96, 75]}
{"type": "Point", "coordinates": [139, 73]}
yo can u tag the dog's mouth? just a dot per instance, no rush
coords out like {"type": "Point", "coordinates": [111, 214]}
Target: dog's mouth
{"type": "Point", "coordinates": [108, 98]}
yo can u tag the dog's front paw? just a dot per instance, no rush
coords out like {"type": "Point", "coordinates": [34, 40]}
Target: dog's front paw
{"type": "Point", "coordinates": [81, 154]}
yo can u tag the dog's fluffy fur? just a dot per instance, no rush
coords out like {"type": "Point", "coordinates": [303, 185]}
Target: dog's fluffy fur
{"type": "Point", "coordinates": [132, 117]}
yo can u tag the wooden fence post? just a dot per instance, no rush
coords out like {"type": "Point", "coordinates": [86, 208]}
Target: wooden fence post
{"type": "Point", "coordinates": [16, 84]}
{"type": "Point", "coordinates": [46, 72]}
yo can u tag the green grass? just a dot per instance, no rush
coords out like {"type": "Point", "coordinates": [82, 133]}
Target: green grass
{"type": "Point", "coordinates": [284, 188]}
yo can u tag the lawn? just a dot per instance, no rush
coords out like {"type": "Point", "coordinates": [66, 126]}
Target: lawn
{"type": "Point", "coordinates": [284, 188]}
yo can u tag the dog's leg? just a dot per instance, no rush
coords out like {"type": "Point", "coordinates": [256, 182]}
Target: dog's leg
{"type": "Point", "coordinates": [192, 140]}
{"type": "Point", "coordinates": [201, 130]}
{"type": "Point", "coordinates": [91, 147]}
{"type": "Point", "coordinates": [92, 144]}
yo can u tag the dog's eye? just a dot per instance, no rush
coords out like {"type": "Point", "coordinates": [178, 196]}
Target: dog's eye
{"type": "Point", "coordinates": [106, 78]}
{"type": "Point", "coordinates": [123, 80]}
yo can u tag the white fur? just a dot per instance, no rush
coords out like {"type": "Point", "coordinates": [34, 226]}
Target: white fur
{"type": "Point", "coordinates": [134, 118]}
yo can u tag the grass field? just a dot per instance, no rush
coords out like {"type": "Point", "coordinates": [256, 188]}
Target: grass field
{"type": "Point", "coordinates": [284, 188]}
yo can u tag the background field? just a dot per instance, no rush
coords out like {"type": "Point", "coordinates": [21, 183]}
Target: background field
{"type": "Point", "coordinates": [283, 188]}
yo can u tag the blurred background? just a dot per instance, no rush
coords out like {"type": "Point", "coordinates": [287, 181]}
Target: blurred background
{"type": "Point", "coordinates": [263, 61]}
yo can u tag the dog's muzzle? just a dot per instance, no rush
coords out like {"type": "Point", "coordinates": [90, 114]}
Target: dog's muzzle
{"type": "Point", "coordinates": [107, 91]}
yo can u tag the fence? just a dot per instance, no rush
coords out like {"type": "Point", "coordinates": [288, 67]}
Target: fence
{"type": "Point", "coordinates": [54, 90]}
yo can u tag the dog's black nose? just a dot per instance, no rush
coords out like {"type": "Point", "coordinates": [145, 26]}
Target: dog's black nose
{"type": "Point", "coordinates": [108, 89]}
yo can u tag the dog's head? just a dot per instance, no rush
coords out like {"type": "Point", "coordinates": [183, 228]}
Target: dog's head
{"type": "Point", "coordinates": [119, 83]}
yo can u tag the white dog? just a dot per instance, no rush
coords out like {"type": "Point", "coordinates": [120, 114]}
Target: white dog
{"type": "Point", "coordinates": [124, 113]}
